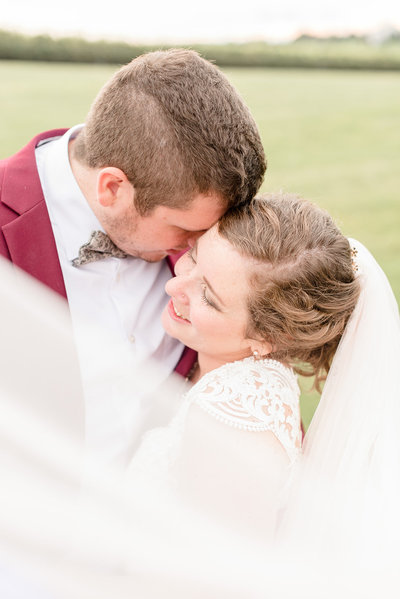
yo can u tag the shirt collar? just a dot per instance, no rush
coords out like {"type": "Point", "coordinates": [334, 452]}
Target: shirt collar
{"type": "Point", "coordinates": [68, 207]}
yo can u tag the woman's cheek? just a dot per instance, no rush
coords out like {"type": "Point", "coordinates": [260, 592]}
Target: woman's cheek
{"type": "Point", "coordinates": [203, 319]}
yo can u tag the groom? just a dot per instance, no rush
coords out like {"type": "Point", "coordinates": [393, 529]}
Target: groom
{"type": "Point", "coordinates": [168, 146]}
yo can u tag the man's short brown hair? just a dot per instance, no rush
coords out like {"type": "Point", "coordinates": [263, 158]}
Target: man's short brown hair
{"type": "Point", "coordinates": [176, 127]}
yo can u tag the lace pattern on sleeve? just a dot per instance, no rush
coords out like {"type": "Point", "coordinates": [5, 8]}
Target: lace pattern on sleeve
{"type": "Point", "coordinates": [254, 395]}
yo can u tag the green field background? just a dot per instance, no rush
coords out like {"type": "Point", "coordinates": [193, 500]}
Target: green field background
{"type": "Point", "coordinates": [331, 136]}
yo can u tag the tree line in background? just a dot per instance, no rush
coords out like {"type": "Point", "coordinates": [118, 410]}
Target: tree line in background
{"type": "Point", "coordinates": [353, 52]}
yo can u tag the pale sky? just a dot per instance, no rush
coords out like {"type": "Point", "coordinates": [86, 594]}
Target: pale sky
{"type": "Point", "coordinates": [209, 20]}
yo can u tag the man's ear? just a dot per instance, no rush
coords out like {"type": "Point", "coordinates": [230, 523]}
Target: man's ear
{"type": "Point", "coordinates": [113, 186]}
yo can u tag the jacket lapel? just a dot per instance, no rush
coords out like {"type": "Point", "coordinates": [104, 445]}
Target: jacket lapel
{"type": "Point", "coordinates": [29, 236]}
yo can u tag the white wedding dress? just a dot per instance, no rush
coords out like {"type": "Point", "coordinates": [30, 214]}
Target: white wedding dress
{"type": "Point", "coordinates": [237, 431]}
{"type": "Point", "coordinates": [179, 534]}
{"type": "Point", "coordinates": [249, 395]}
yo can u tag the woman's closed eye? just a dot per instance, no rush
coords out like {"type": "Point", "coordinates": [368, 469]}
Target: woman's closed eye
{"type": "Point", "coordinates": [205, 299]}
{"type": "Point", "coordinates": [190, 253]}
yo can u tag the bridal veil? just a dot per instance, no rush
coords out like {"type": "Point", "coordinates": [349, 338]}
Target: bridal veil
{"type": "Point", "coordinates": [339, 528]}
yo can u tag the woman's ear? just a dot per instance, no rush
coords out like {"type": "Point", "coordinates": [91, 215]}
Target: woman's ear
{"type": "Point", "coordinates": [260, 348]}
{"type": "Point", "coordinates": [113, 187]}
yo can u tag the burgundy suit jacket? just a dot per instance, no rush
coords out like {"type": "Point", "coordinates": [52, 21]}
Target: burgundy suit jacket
{"type": "Point", "coordinates": [26, 235]}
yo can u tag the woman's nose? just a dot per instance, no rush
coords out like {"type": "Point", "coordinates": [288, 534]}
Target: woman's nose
{"type": "Point", "coordinates": [183, 266]}
{"type": "Point", "coordinates": [177, 287]}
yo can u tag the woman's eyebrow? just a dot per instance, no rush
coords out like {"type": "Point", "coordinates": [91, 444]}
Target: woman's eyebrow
{"type": "Point", "coordinates": [193, 249]}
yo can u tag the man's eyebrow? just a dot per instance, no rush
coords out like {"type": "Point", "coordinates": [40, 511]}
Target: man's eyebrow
{"type": "Point", "coordinates": [213, 292]}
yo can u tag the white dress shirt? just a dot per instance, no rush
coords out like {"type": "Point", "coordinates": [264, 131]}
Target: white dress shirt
{"type": "Point", "coordinates": [116, 307]}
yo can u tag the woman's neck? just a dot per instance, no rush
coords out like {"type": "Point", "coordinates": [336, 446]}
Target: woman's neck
{"type": "Point", "coordinates": [206, 363]}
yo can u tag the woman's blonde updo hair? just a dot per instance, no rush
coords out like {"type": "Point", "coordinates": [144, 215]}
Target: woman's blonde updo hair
{"type": "Point", "coordinates": [303, 286]}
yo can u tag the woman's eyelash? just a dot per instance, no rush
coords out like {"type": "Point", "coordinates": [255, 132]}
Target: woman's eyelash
{"type": "Point", "coordinates": [204, 286]}
{"type": "Point", "coordinates": [204, 297]}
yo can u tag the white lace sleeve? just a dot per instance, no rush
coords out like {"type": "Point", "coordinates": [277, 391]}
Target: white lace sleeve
{"type": "Point", "coordinates": [233, 474]}
{"type": "Point", "coordinates": [253, 395]}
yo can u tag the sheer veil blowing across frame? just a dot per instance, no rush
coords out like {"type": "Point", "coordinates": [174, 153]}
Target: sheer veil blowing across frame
{"type": "Point", "coordinates": [341, 510]}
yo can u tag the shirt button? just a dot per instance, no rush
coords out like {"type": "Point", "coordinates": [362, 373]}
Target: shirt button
{"type": "Point", "coordinates": [132, 338]}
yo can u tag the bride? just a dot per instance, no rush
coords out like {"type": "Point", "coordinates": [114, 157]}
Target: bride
{"type": "Point", "coordinates": [274, 289]}
{"type": "Point", "coordinates": [265, 293]}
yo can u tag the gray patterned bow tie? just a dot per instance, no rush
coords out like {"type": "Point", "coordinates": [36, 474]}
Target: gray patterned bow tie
{"type": "Point", "coordinates": [98, 247]}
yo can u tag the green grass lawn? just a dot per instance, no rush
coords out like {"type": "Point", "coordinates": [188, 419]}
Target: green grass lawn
{"type": "Point", "coordinates": [331, 136]}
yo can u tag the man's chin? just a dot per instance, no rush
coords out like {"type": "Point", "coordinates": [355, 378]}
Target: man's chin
{"type": "Point", "coordinates": [150, 256]}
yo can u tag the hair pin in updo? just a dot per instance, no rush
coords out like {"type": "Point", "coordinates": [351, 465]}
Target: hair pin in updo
{"type": "Point", "coordinates": [354, 253]}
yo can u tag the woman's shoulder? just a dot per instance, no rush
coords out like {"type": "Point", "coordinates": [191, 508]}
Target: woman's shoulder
{"type": "Point", "coordinates": [260, 377]}
{"type": "Point", "coordinates": [253, 395]}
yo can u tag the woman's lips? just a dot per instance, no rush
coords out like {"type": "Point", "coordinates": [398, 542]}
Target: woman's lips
{"type": "Point", "coordinates": [174, 315]}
